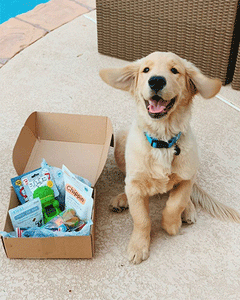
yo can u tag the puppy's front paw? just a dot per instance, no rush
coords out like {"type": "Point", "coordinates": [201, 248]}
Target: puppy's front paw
{"type": "Point", "coordinates": [171, 225]}
{"type": "Point", "coordinates": [138, 249]}
{"type": "Point", "coordinates": [119, 203]}
{"type": "Point", "coordinates": [189, 215]}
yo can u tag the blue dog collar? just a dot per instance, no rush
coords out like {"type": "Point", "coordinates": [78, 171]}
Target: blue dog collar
{"type": "Point", "coordinates": [155, 143]}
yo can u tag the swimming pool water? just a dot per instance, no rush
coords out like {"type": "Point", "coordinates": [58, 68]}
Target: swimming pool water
{"type": "Point", "coordinates": [12, 8]}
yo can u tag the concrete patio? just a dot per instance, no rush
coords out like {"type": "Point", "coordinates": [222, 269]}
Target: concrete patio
{"type": "Point", "coordinates": [58, 72]}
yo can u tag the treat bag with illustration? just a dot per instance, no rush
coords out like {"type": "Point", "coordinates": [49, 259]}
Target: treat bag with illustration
{"type": "Point", "coordinates": [78, 195]}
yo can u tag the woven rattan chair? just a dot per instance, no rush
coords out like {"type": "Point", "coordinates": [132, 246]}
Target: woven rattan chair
{"type": "Point", "coordinates": [236, 77]}
{"type": "Point", "coordinates": [198, 30]}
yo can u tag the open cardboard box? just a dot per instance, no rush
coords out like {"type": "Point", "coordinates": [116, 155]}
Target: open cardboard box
{"type": "Point", "coordinates": [79, 142]}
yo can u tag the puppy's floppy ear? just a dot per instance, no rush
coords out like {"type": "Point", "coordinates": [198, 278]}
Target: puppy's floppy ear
{"type": "Point", "coordinates": [121, 78]}
{"type": "Point", "coordinates": [207, 87]}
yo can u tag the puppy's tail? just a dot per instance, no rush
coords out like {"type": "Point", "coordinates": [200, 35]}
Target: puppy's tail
{"type": "Point", "coordinates": [212, 206]}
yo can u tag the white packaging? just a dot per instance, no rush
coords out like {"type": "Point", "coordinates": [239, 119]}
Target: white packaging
{"type": "Point", "coordinates": [77, 195]}
{"type": "Point", "coordinates": [27, 215]}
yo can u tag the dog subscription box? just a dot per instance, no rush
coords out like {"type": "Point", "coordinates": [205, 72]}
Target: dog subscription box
{"type": "Point", "coordinates": [79, 142]}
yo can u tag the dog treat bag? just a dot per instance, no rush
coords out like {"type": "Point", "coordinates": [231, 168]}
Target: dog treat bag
{"type": "Point", "coordinates": [78, 196]}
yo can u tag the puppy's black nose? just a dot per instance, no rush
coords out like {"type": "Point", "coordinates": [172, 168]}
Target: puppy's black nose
{"type": "Point", "coordinates": [157, 83]}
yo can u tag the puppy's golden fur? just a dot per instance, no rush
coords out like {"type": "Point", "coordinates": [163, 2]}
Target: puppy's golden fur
{"type": "Point", "coordinates": [150, 171]}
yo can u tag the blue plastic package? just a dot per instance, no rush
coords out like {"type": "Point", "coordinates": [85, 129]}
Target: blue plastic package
{"type": "Point", "coordinates": [25, 184]}
{"type": "Point", "coordinates": [19, 188]}
{"type": "Point", "coordinates": [36, 179]}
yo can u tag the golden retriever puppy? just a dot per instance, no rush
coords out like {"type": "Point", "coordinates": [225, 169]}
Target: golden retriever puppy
{"type": "Point", "coordinates": [159, 152]}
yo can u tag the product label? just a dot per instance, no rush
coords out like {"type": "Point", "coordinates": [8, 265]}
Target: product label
{"type": "Point", "coordinates": [27, 215]}
{"type": "Point", "coordinates": [71, 190]}
{"type": "Point", "coordinates": [35, 183]}
{"type": "Point", "coordinates": [38, 178]}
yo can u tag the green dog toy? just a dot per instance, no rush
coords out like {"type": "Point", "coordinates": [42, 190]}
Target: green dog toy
{"type": "Point", "coordinates": [50, 206]}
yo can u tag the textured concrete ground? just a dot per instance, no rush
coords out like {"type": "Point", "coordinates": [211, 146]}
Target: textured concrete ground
{"type": "Point", "coordinates": [59, 73]}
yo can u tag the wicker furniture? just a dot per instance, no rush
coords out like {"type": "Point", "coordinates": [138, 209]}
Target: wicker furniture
{"type": "Point", "coordinates": [236, 76]}
{"type": "Point", "coordinates": [198, 30]}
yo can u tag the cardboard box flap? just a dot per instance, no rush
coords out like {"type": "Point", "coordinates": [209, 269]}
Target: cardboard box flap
{"type": "Point", "coordinates": [13, 203]}
{"type": "Point", "coordinates": [22, 149]}
{"type": "Point", "coordinates": [79, 142]}
{"type": "Point", "coordinates": [68, 127]}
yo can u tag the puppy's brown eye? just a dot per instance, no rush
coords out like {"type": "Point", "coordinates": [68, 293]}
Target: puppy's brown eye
{"type": "Point", "coordinates": [174, 71]}
{"type": "Point", "coordinates": [146, 70]}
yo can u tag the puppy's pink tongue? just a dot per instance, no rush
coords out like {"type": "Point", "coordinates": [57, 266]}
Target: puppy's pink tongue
{"type": "Point", "coordinates": [155, 107]}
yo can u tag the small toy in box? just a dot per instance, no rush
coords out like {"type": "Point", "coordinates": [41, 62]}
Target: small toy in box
{"type": "Point", "coordinates": [50, 206]}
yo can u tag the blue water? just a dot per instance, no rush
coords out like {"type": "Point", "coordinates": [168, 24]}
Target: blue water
{"type": "Point", "coordinates": [12, 8]}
